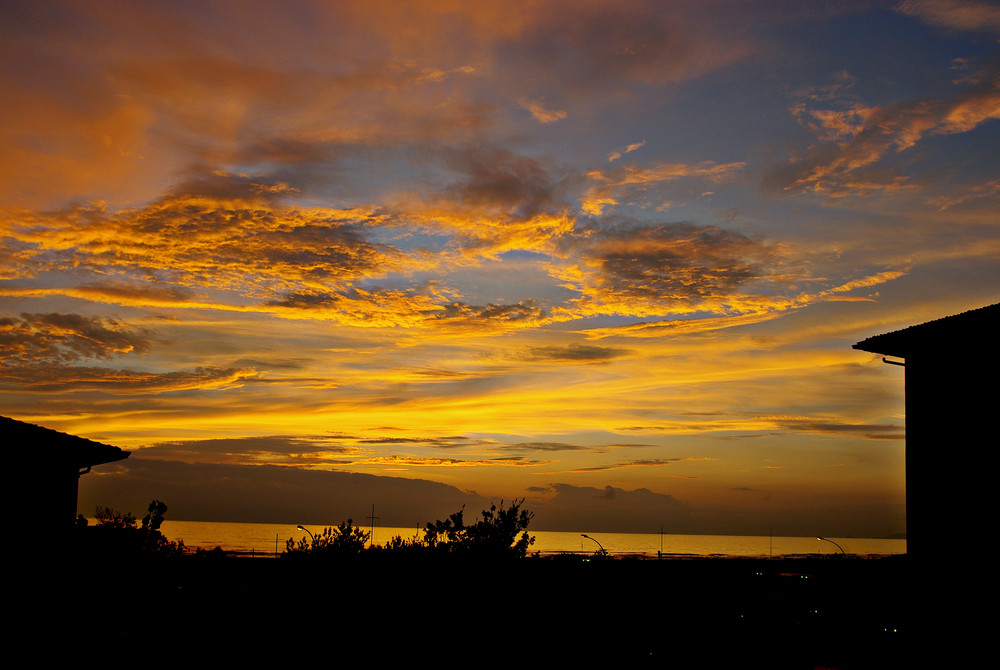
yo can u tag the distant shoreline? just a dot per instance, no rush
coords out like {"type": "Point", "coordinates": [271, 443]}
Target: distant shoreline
{"type": "Point", "coordinates": [242, 538]}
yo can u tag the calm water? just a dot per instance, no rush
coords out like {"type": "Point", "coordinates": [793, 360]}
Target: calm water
{"type": "Point", "coordinates": [267, 539]}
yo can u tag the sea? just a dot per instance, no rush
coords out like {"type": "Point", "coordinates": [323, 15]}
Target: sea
{"type": "Point", "coordinates": [269, 540]}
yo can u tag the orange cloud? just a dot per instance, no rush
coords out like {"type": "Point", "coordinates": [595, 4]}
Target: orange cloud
{"type": "Point", "coordinates": [855, 140]}
{"type": "Point", "coordinates": [61, 338]}
{"type": "Point", "coordinates": [611, 184]}
{"type": "Point", "coordinates": [542, 113]}
{"type": "Point", "coordinates": [52, 378]}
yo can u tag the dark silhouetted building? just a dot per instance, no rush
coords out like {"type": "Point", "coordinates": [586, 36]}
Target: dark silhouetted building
{"type": "Point", "coordinates": [48, 468]}
{"type": "Point", "coordinates": [951, 427]}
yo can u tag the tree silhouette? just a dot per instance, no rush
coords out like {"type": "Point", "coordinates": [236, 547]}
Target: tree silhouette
{"type": "Point", "coordinates": [495, 535]}
{"type": "Point", "coordinates": [117, 530]}
{"type": "Point", "coordinates": [154, 515]}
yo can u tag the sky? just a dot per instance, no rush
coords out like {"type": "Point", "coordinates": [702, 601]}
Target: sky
{"type": "Point", "coordinates": [303, 258]}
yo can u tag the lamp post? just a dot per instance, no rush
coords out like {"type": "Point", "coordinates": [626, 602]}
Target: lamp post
{"type": "Point", "coordinates": [833, 543]}
{"type": "Point", "coordinates": [301, 527]}
{"type": "Point", "coordinates": [603, 551]}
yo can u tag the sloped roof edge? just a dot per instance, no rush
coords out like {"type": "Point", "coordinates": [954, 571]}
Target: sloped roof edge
{"type": "Point", "coordinates": [970, 330]}
{"type": "Point", "coordinates": [51, 444]}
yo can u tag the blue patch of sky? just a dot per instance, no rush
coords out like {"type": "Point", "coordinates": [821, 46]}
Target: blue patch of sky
{"type": "Point", "coordinates": [523, 254]}
{"type": "Point", "coordinates": [967, 163]}
{"type": "Point", "coordinates": [509, 281]}
{"type": "Point", "coordinates": [724, 117]}
{"type": "Point", "coordinates": [408, 238]}
{"type": "Point", "coordinates": [892, 57]}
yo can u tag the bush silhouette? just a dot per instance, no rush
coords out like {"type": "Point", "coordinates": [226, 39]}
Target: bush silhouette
{"type": "Point", "coordinates": [117, 531]}
{"type": "Point", "coordinates": [112, 518]}
{"type": "Point", "coordinates": [343, 540]}
{"type": "Point", "coordinates": [500, 533]}
{"type": "Point", "coordinates": [495, 535]}
{"type": "Point", "coordinates": [400, 544]}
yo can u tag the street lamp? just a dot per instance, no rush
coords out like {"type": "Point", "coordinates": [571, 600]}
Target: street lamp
{"type": "Point", "coordinates": [603, 551]}
{"type": "Point", "coordinates": [833, 543]}
{"type": "Point", "coordinates": [301, 527]}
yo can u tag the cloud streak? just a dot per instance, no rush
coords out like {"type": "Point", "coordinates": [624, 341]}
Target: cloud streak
{"type": "Point", "coordinates": [63, 338]}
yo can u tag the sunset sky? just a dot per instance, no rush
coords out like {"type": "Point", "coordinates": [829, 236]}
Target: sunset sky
{"type": "Point", "coordinates": [607, 256]}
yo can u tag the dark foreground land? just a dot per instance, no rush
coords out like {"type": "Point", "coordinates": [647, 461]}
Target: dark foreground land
{"type": "Point", "coordinates": [830, 612]}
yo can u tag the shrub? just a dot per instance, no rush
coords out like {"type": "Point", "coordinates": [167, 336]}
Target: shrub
{"type": "Point", "coordinates": [117, 530]}
{"type": "Point", "coordinates": [495, 535]}
{"type": "Point", "coordinates": [112, 518]}
{"type": "Point", "coordinates": [343, 540]}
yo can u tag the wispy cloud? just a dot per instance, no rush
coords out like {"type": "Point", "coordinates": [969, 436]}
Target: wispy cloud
{"type": "Point", "coordinates": [990, 189]}
{"type": "Point", "coordinates": [958, 14]}
{"type": "Point", "coordinates": [857, 141]}
{"type": "Point", "coordinates": [48, 378]}
{"type": "Point", "coordinates": [577, 353]}
{"type": "Point", "coordinates": [618, 153]}
{"type": "Point", "coordinates": [614, 185]}
{"type": "Point", "coordinates": [542, 113]}
{"type": "Point", "coordinates": [640, 463]}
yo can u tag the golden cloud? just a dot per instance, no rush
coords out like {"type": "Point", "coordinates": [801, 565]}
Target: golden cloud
{"type": "Point", "coordinates": [664, 268]}
{"type": "Point", "coordinates": [61, 338]}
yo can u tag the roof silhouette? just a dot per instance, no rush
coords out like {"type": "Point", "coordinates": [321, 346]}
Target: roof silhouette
{"type": "Point", "coordinates": [82, 452]}
{"type": "Point", "coordinates": [972, 331]}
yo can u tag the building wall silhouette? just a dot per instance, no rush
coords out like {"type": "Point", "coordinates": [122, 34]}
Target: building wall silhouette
{"type": "Point", "coordinates": [951, 426]}
{"type": "Point", "coordinates": [48, 466]}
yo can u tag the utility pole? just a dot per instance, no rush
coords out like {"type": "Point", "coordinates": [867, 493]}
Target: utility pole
{"type": "Point", "coordinates": [371, 534]}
